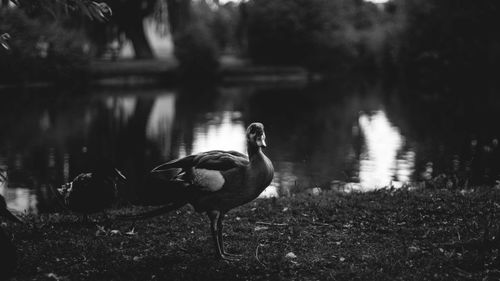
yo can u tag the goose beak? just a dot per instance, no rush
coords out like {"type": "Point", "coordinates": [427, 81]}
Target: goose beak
{"type": "Point", "coordinates": [261, 142]}
{"type": "Point", "coordinates": [7, 214]}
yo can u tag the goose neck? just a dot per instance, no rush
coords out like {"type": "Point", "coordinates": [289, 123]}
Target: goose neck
{"type": "Point", "coordinates": [253, 151]}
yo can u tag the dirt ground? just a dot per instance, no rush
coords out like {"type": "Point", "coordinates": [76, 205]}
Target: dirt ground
{"type": "Point", "coordinates": [381, 235]}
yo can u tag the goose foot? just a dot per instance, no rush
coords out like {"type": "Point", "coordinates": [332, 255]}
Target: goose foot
{"type": "Point", "coordinates": [233, 255]}
{"type": "Point", "coordinates": [230, 257]}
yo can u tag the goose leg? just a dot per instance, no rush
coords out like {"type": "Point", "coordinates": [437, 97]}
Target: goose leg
{"type": "Point", "coordinates": [220, 227]}
{"type": "Point", "coordinates": [217, 234]}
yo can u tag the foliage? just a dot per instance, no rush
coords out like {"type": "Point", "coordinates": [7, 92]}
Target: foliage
{"type": "Point", "coordinates": [319, 34]}
{"type": "Point", "coordinates": [92, 9]}
{"type": "Point", "coordinates": [196, 44]}
{"type": "Point", "coordinates": [450, 37]}
{"type": "Point", "coordinates": [41, 45]}
{"type": "Point", "coordinates": [196, 50]}
{"type": "Point", "coordinates": [39, 50]}
{"type": "Point", "coordinates": [225, 24]}
{"type": "Point", "coordinates": [381, 235]}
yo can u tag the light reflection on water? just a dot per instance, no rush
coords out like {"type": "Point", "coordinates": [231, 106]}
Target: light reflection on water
{"type": "Point", "coordinates": [380, 165]}
{"type": "Point", "coordinates": [20, 199]}
{"type": "Point", "coordinates": [222, 131]}
{"type": "Point", "coordinates": [121, 106]}
{"type": "Point", "coordinates": [161, 121]}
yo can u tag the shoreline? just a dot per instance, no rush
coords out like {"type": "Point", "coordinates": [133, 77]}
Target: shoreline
{"type": "Point", "coordinates": [159, 72]}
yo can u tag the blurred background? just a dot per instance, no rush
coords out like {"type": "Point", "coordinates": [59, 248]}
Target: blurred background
{"type": "Point", "coordinates": [355, 95]}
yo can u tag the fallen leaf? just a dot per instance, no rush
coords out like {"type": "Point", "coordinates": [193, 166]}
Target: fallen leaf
{"type": "Point", "coordinates": [413, 249]}
{"type": "Point", "coordinates": [53, 276]}
{"type": "Point", "coordinates": [131, 232]}
{"type": "Point", "coordinates": [259, 228]}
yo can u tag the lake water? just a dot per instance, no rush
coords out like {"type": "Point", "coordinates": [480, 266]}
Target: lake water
{"type": "Point", "coordinates": [348, 134]}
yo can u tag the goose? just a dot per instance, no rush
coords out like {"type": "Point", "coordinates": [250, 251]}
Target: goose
{"type": "Point", "coordinates": [90, 192]}
{"type": "Point", "coordinates": [8, 255]}
{"type": "Point", "coordinates": [213, 182]}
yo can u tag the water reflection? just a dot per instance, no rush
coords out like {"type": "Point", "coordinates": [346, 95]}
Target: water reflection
{"type": "Point", "coordinates": [222, 130]}
{"type": "Point", "coordinates": [161, 122]}
{"type": "Point", "coordinates": [355, 137]}
{"type": "Point", "coordinates": [20, 199]}
{"type": "Point", "coordinates": [380, 163]}
{"type": "Point", "coordinates": [122, 107]}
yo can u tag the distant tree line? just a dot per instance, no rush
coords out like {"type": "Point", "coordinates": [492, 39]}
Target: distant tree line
{"type": "Point", "coordinates": [455, 38]}
{"type": "Point", "coordinates": [406, 37]}
{"type": "Point", "coordinates": [322, 35]}
{"type": "Point", "coordinates": [201, 30]}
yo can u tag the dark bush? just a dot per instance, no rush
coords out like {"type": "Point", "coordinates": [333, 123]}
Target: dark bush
{"type": "Point", "coordinates": [280, 32]}
{"type": "Point", "coordinates": [452, 38]}
{"type": "Point", "coordinates": [40, 51]}
{"type": "Point", "coordinates": [318, 34]}
{"type": "Point", "coordinates": [196, 50]}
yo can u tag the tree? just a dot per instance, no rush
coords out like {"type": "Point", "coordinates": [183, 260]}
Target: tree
{"type": "Point", "coordinates": [41, 45]}
{"type": "Point", "coordinates": [450, 37]}
{"type": "Point", "coordinates": [128, 15]}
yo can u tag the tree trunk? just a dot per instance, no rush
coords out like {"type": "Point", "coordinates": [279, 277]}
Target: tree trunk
{"type": "Point", "coordinates": [134, 30]}
{"type": "Point", "coordinates": [129, 16]}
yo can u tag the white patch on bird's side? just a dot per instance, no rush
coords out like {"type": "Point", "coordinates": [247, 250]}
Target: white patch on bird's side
{"type": "Point", "coordinates": [209, 180]}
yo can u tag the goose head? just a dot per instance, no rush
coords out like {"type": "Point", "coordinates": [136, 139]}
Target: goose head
{"type": "Point", "coordinates": [4, 212]}
{"type": "Point", "coordinates": [256, 138]}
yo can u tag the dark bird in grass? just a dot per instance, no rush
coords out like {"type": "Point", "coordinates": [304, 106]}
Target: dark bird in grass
{"type": "Point", "coordinates": [8, 254]}
{"type": "Point", "coordinates": [90, 192]}
{"type": "Point", "coordinates": [213, 182]}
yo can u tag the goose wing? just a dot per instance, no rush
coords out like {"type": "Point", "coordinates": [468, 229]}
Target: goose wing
{"type": "Point", "coordinates": [211, 160]}
{"type": "Point", "coordinates": [203, 171]}
{"type": "Point", "coordinates": [221, 160]}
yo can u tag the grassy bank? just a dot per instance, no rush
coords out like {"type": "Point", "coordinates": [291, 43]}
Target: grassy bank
{"type": "Point", "coordinates": [384, 235]}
